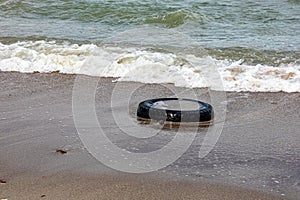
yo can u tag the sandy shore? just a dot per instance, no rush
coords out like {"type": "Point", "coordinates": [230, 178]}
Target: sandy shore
{"type": "Point", "coordinates": [42, 157]}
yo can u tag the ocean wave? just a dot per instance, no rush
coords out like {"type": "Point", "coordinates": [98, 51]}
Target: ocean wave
{"type": "Point", "coordinates": [177, 18]}
{"type": "Point", "coordinates": [148, 66]}
{"type": "Point", "coordinates": [43, 56]}
{"type": "Point", "coordinates": [252, 24]}
{"type": "Point", "coordinates": [107, 12]}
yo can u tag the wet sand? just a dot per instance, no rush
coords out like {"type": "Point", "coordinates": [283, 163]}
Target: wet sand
{"type": "Point", "coordinates": [42, 157]}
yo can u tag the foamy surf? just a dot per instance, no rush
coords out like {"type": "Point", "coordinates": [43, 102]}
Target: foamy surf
{"type": "Point", "coordinates": [148, 66]}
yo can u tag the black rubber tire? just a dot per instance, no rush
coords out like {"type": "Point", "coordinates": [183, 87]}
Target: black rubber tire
{"type": "Point", "coordinates": [146, 110]}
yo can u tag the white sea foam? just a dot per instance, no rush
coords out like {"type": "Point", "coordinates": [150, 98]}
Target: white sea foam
{"type": "Point", "coordinates": [42, 56]}
{"type": "Point", "coordinates": [132, 64]}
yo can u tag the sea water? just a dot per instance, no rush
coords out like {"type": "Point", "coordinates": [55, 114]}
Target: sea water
{"type": "Point", "coordinates": [249, 45]}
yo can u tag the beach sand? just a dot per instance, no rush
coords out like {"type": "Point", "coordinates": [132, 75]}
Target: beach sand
{"type": "Point", "coordinates": [42, 157]}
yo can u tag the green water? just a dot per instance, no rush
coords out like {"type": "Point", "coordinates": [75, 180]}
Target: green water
{"type": "Point", "coordinates": [238, 29]}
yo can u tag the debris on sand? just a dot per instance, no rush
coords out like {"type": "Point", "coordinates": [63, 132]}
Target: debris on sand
{"type": "Point", "coordinates": [61, 151]}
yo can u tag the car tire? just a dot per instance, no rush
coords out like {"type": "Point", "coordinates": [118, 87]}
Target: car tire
{"type": "Point", "coordinates": [147, 111]}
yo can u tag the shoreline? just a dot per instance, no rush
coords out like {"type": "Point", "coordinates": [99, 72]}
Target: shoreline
{"type": "Point", "coordinates": [258, 146]}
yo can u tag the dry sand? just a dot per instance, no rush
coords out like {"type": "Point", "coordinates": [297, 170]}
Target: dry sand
{"type": "Point", "coordinates": [256, 157]}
